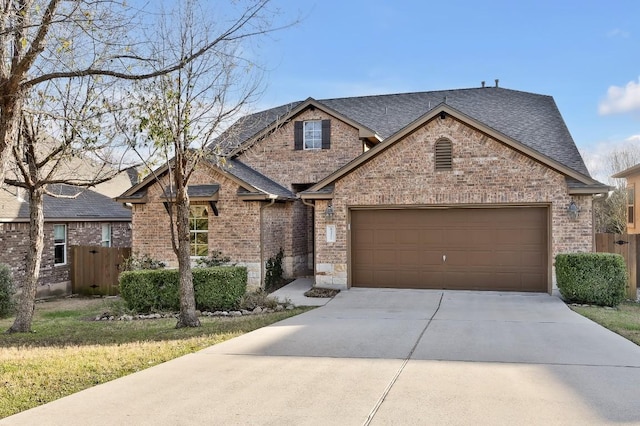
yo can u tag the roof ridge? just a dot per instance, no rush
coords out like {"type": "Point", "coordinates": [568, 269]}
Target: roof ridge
{"type": "Point", "coordinates": [423, 92]}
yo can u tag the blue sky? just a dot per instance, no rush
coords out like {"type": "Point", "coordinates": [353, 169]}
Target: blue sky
{"type": "Point", "coordinates": [586, 54]}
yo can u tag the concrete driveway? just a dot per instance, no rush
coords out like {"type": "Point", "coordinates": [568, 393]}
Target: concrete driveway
{"type": "Point", "coordinates": [384, 357]}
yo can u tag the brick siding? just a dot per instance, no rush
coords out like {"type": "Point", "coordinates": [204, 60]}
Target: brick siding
{"type": "Point", "coordinates": [276, 158]}
{"type": "Point", "coordinates": [485, 171]}
{"type": "Point", "coordinates": [14, 243]}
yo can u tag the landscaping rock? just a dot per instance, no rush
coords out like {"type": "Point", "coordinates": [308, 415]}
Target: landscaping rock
{"type": "Point", "coordinates": [235, 313]}
{"type": "Point", "coordinates": [279, 308]}
{"type": "Point", "coordinates": [257, 310]}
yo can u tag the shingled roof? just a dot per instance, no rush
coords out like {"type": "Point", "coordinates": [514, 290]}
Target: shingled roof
{"type": "Point", "coordinates": [88, 205]}
{"type": "Point", "coordinates": [531, 119]}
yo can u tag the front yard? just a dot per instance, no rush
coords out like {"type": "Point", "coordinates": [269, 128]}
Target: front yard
{"type": "Point", "coordinates": [68, 351]}
{"type": "Point", "coordinates": [624, 320]}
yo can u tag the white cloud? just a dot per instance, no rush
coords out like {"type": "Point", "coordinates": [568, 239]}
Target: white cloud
{"type": "Point", "coordinates": [633, 138]}
{"type": "Point", "coordinates": [621, 99]}
{"type": "Point", "coordinates": [617, 32]}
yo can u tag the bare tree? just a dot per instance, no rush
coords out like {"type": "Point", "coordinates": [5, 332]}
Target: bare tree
{"type": "Point", "coordinates": [60, 142]}
{"type": "Point", "coordinates": [181, 113]}
{"type": "Point", "coordinates": [610, 213]}
{"type": "Point", "coordinates": [46, 40]}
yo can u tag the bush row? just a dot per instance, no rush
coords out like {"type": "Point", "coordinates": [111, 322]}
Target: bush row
{"type": "Point", "coordinates": [158, 290]}
{"type": "Point", "coordinates": [592, 278]}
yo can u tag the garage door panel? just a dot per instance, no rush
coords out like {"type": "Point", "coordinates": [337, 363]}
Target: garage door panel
{"type": "Point", "coordinates": [485, 248]}
{"type": "Point", "coordinates": [384, 257]}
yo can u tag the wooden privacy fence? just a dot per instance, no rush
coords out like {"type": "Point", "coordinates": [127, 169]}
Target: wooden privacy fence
{"type": "Point", "coordinates": [627, 246]}
{"type": "Point", "coordinates": [95, 270]}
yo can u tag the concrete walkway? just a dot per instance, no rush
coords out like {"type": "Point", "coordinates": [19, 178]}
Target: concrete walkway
{"type": "Point", "coordinates": [385, 357]}
{"type": "Point", "coordinates": [294, 293]}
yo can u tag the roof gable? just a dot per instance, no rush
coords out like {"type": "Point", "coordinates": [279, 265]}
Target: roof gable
{"type": "Point", "coordinates": [258, 126]}
{"type": "Point", "coordinates": [253, 185]}
{"type": "Point", "coordinates": [531, 119]}
{"type": "Point", "coordinates": [444, 110]}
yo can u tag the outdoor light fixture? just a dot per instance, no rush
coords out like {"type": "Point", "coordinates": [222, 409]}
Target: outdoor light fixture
{"type": "Point", "coordinates": [573, 210]}
{"type": "Point", "coordinates": [328, 213]}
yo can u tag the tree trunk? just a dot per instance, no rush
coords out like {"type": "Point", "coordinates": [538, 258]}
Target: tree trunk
{"type": "Point", "coordinates": [187, 316]}
{"type": "Point", "coordinates": [9, 123]}
{"type": "Point", "coordinates": [24, 317]}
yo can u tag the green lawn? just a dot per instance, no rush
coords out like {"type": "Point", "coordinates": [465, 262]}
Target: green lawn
{"type": "Point", "coordinates": [624, 320]}
{"type": "Point", "coordinates": [68, 352]}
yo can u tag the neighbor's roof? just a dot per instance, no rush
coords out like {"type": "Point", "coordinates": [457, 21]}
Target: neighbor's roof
{"type": "Point", "coordinates": [634, 170]}
{"type": "Point", "coordinates": [87, 206]}
{"type": "Point", "coordinates": [531, 119]}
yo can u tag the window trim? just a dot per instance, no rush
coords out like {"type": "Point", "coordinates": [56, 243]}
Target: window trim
{"type": "Point", "coordinates": [193, 245]}
{"type": "Point", "coordinates": [63, 244]}
{"type": "Point", "coordinates": [102, 239]}
{"type": "Point", "coordinates": [317, 139]}
{"type": "Point", "coordinates": [631, 204]}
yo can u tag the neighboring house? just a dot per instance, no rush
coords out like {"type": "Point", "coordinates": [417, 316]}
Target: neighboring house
{"type": "Point", "coordinates": [632, 176]}
{"type": "Point", "coordinates": [463, 189]}
{"type": "Point", "coordinates": [90, 219]}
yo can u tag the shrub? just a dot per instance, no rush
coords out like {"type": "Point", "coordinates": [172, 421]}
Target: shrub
{"type": "Point", "coordinates": [7, 292]}
{"type": "Point", "coordinates": [215, 259]}
{"type": "Point", "coordinates": [151, 290]}
{"type": "Point", "coordinates": [137, 262]}
{"type": "Point", "coordinates": [593, 278]}
{"type": "Point", "coordinates": [258, 298]}
{"type": "Point", "coordinates": [158, 290]}
{"type": "Point", "coordinates": [220, 287]}
{"type": "Point", "coordinates": [273, 273]}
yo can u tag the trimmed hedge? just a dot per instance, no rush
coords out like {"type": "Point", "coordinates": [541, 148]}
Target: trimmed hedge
{"type": "Point", "coordinates": [592, 278]}
{"type": "Point", "coordinates": [7, 292]}
{"type": "Point", "coordinates": [220, 287]}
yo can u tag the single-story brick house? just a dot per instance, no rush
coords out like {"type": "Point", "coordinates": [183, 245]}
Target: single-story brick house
{"type": "Point", "coordinates": [632, 178]}
{"type": "Point", "coordinates": [90, 219]}
{"type": "Point", "coordinates": [465, 189]}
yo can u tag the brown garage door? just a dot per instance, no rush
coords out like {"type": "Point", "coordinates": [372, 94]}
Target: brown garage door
{"type": "Point", "coordinates": [461, 248]}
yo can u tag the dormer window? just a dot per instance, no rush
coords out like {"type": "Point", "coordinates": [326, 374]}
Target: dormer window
{"type": "Point", "coordinates": [312, 134]}
{"type": "Point", "coordinates": [443, 155]}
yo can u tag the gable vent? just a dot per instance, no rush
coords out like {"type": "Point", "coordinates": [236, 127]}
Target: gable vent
{"type": "Point", "coordinates": [444, 155]}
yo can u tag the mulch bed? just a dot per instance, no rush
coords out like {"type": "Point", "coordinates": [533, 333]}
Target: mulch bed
{"type": "Point", "coordinates": [321, 292]}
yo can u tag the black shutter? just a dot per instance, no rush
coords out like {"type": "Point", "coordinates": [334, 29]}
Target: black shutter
{"type": "Point", "coordinates": [297, 135]}
{"type": "Point", "coordinates": [326, 134]}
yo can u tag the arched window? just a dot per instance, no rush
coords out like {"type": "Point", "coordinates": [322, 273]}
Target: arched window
{"type": "Point", "coordinates": [444, 155]}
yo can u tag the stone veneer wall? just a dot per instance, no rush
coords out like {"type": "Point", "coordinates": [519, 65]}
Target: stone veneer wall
{"type": "Point", "coordinates": [54, 279]}
{"type": "Point", "coordinates": [485, 171]}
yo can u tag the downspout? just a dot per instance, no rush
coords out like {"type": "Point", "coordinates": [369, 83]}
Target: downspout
{"type": "Point", "coordinates": [262, 267]}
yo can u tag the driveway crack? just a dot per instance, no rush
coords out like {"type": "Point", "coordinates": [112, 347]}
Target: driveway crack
{"type": "Point", "coordinates": [386, 391]}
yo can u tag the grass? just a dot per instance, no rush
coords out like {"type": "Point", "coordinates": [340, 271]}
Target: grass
{"type": "Point", "coordinates": [67, 352]}
{"type": "Point", "coordinates": [624, 320]}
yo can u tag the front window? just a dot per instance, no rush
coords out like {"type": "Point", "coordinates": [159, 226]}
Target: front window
{"type": "Point", "coordinates": [106, 235]}
{"type": "Point", "coordinates": [631, 202]}
{"type": "Point", "coordinates": [199, 231]}
{"type": "Point", "coordinates": [60, 244]}
{"type": "Point", "coordinates": [313, 134]}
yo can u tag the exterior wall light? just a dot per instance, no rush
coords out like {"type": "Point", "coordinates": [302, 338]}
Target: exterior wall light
{"type": "Point", "coordinates": [573, 210]}
{"type": "Point", "coordinates": [329, 213]}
